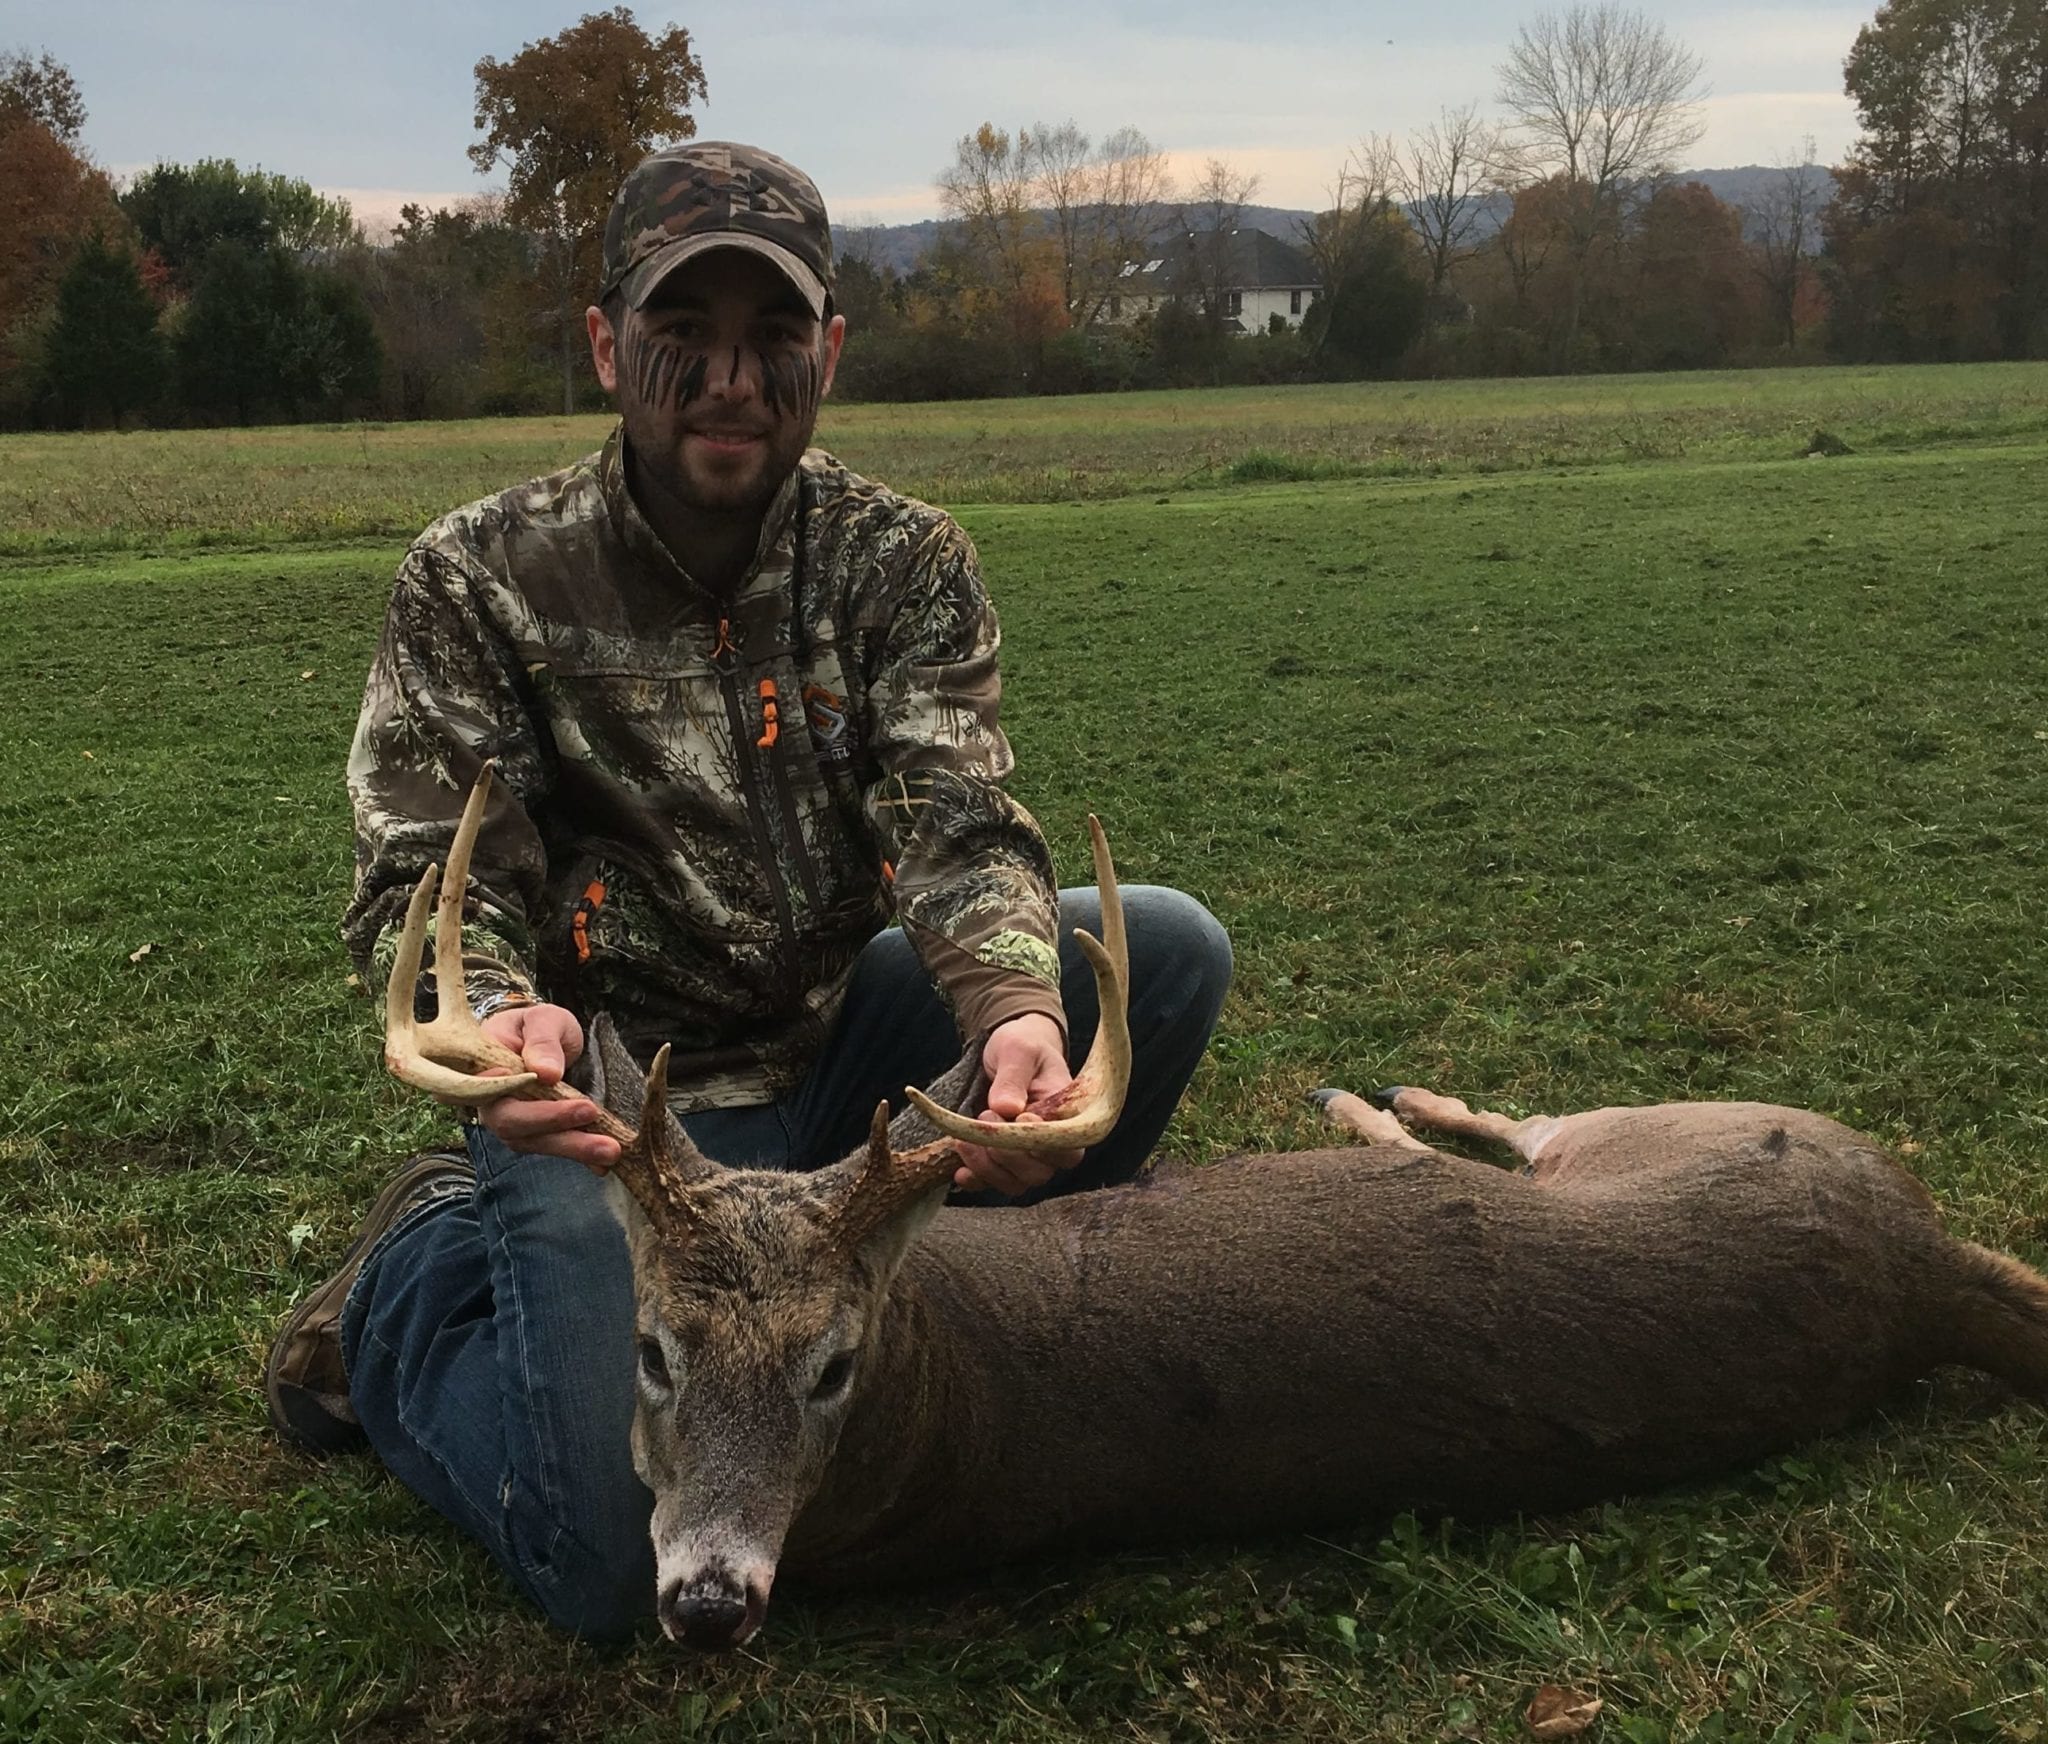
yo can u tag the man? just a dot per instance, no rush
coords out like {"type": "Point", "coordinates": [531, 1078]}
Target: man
{"type": "Point", "coordinates": [744, 705]}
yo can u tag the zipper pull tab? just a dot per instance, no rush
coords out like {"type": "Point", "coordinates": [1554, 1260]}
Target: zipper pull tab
{"type": "Point", "coordinates": [771, 725]}
{"type": "Point", "coordinates": [724, 652]}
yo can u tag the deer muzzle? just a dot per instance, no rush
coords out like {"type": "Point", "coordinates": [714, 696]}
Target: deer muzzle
{"type": "Point", "coordinates": [717, 1607]}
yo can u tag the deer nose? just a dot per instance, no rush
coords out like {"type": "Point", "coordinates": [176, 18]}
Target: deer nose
{"type": "Point", "coordinates": [710, 1614]}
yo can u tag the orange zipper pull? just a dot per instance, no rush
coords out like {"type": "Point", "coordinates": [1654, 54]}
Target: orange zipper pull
{"type": "Point", "coordinates": [771, 725]}
{"type": "Point", "coordinates": [579, 924]}
{"type": "Point", "coordinates": [724, 645]}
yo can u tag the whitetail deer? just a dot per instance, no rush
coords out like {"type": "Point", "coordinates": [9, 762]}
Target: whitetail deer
{"type": "Point", "coordinates": [841, 1378]}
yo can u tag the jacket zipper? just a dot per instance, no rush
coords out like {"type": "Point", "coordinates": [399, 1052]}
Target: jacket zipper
{"type": "Point", "coordinates": [725, 658]}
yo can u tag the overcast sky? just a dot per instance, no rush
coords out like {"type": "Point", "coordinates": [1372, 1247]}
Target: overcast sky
{"type": "Point", "coordinates": [372, 99]}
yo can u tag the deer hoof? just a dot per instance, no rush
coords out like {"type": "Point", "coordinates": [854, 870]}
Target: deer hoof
{"type": "Point", "coordinates": [1387, 1097]}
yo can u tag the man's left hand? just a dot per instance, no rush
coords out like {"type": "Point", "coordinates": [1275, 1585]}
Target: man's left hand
{"type": "Point", "coordinates": [1025, 1061]}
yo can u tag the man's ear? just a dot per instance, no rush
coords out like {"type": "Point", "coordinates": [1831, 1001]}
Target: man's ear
{"type": "Point", "coordinates": [604, 349]}
{"type": "Point", "coordinates": [834, 338]}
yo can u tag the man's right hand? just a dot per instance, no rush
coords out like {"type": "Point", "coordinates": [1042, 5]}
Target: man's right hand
{"type": "Point", "coordinates": [548, 1039]}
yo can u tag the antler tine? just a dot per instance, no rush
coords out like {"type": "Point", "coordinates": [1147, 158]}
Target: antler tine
{"type": "Point", "coordinates": [1088, 1109]}
{"type": "Point", "coordinates": [448, 1055]}
{"type": "Point", "coordinates": [644, 1166]}
{"type": "Point", "coordinates": [888, 1178]}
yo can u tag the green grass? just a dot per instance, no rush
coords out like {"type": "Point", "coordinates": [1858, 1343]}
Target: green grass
{"type": "Point", "coordinates": [77, 494]}
{"type": "Point", "coordinates": [1547, 785]}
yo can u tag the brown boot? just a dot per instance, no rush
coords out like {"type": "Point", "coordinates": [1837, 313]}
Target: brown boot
{"type": "Point", "coordinates": [303, 1379]}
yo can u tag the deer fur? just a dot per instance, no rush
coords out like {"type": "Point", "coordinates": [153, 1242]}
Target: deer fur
{"type": "Point", "coordinates": [1277, 1341]}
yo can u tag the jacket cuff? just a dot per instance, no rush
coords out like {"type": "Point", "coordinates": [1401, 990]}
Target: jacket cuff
{"type": "Point", "coordinates": [982, 995]}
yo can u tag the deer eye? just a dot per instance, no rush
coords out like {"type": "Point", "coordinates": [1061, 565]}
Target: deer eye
{"type": "Point", "coordinates": [832, 1378]}
{"type": "Point", "coordinates": [653, 1363]}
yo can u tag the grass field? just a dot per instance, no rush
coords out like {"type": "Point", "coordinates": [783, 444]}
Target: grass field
{"type": "Point", "coordinates": [1550, 743]}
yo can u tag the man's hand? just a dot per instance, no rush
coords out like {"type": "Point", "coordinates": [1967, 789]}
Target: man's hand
{"type": "Point", "coordinates": [1025, 1061]}
{"type": "Point", "coordinates": [548, 1039]}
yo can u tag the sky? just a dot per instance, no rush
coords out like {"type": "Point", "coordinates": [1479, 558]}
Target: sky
{"type": "Point", "coordinates": [372, 99]}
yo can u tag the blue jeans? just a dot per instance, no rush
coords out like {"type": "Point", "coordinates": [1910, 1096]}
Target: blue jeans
{"type": "Point", "coordinates": [488, 1338]}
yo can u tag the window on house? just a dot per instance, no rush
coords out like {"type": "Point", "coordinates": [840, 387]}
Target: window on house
{"type": "Point", "coordinates": [1294, 302]}
{"type": "Point", "coordinates": [1233, 302]}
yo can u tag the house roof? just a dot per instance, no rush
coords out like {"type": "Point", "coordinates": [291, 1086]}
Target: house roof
{"type": "Point", "coordinates": [1253, 260]}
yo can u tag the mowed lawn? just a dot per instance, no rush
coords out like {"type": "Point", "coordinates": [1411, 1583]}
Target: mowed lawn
{"type": "Point", "coordinates": [1589, 765]}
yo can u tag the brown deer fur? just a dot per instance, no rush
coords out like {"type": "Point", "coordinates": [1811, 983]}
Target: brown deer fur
{"type": "Point", "coordinates": [1282, 1341]}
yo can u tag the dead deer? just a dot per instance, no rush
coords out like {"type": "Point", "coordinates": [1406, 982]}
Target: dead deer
{"type": "Point", "coordinates": [839, 1377]}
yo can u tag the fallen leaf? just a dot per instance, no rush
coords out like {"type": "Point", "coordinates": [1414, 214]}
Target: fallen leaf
{"type": "Point", "coordinates": [137, 955]}
{"type": "Point", "coordinates": [1911, 1147]}
{"type": "Point", "coordinates": [88, 756]}
{"type": "Point", "coordinates": [309, 673]}
{"type": "Point", "coordinates": [298, 1235]}
{"type": "Point", "coordinates": [1557, 1712]}
{"type": "Point", "coordinates": [356, 981]}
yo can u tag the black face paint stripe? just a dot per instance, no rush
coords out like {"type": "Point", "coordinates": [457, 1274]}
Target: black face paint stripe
{"type": "Point", "coordinates": [693, 374]}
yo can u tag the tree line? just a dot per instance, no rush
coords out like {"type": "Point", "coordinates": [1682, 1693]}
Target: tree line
{"type": "Point", "coordinates": [1546, 234]}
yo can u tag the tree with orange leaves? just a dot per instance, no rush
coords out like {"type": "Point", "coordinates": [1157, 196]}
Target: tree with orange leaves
{"type": "Point", "coordinates": [568, 116]}
{"type": "Point", "coordinates": [52, 199]}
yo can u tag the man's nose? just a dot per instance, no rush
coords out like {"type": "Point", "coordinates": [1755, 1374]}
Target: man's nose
{"type": "Point", "coordinates": [734, 374]}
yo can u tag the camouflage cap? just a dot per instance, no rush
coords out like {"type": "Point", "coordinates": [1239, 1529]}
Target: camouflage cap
{"type": "Point", "coordinates": [690, 199]}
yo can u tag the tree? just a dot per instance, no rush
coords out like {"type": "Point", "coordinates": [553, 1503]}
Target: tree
{"type": "Point", "coordinates": [1445, 178]}
{"type": "Point", "coordinates": [987, 194]}
{"type": "Point", "coordinates": [1045, 222]}
{"type": "Point", "coordinates": [51, 200]}
{"type": "Point", "coordinates": [568, 116]}
{"type": "Point", "coordinates": [1209, 215]}
{"type": "Point", "coordinates": [1953, 100]}
{"type": "Point", "coordinates": [262, 333]}
{"type": "Point", "coordinates": [41, 91]}
{"type": "Point", "coordinates": [104, 357]}
{"type": "Point", "coordinates": [1782, 225]}
{"type": "Point", "coordinates": [1606, 101]}
{"type": "Point", "coordinates": [429, 294]}
{"type": "Point", "coordinates": [1338, 238]}
{"type": "Point", "coordinates": [182, 210]}
{"type": "Point", "coordinates": [1693, 299]}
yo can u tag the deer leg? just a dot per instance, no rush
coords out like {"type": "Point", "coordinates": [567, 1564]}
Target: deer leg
{"type": "Point", "coordinates": [1341, 1108]}
{"type": "Point", "coordinates": [1434, 1113]}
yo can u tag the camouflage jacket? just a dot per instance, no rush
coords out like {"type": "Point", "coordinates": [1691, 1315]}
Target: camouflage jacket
{"type": "Point", "coordinates": [706, 806]}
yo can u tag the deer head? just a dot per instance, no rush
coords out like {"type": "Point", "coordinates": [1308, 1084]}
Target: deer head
{"type": "Point", "coordinates": [756, 1292]}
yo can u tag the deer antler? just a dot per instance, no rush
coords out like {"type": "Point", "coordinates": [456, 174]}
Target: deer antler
{"type": "Point", "coordinates": [454, 1056]}
{"type": "Point", "coordinates": [1088, 1108]}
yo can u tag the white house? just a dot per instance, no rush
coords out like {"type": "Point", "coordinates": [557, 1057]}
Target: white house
{"type": "Point", "coordinates": [1256, 276]}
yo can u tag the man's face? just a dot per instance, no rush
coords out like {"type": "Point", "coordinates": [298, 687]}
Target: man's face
{"type": "Point", "coordinates": [719, 378]}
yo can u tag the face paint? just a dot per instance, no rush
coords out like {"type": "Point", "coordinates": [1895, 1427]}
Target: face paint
{"type": "Point", "coordinates": [789, 382]}
{"type": "Point", "coordinates": [662, 371]}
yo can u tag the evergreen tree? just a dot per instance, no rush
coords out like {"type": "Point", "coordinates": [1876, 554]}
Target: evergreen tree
{"type": "Point", "coordinates": [105, 357]}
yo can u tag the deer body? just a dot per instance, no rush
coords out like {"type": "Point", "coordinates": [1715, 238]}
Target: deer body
{"type": "Point", "coordinates": [838, 1376]}
{"type": "Point", "coordinates": [1293, 1340]}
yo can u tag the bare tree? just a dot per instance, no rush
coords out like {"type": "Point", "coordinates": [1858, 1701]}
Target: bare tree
{"type": "Point", "coordinates": [1209, 214]}
{"type": "Point", "coordinates": [1445, 179]}
{"type": "Point", "coordinates": [1365, 190]}
{"type": "Point", "coordinates": [1606, 100]}
{"type": "Point", "coordinates": [986, 190]}
{"type": "Point", "coordinates": [1100, 204]}
{"type": "Point", "coordinates": [1781, 220]}
{"type": "Point", "coordinates": [1132, 189]}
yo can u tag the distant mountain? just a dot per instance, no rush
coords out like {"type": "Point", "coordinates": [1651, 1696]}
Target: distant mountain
{"type": "Point", "coordinates": [902, 246]}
